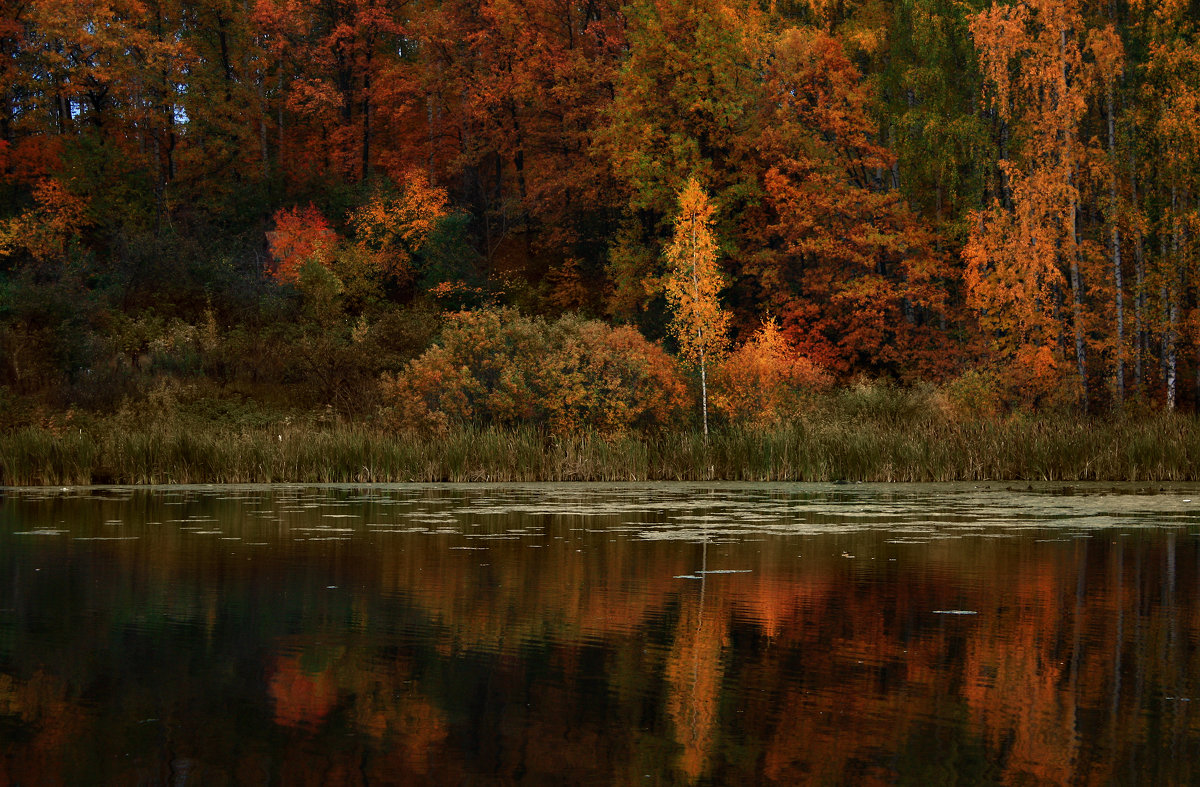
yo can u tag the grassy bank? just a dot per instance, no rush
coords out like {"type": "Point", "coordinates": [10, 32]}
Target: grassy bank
{"type": "Point", "coordinates": [817, 447]}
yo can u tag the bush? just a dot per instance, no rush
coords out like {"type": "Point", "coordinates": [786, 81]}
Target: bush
{"type": "Point", "coordinates": [497, 367]}
{"type": "Point", "coordinates": [765, 380]}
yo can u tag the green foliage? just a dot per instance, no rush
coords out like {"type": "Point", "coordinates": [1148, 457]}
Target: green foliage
{"type": "Point", "coordinates": [360, 275]}
{"type": "Point", "coordinates": [927, 88]}
{"type": "Point", "coordinates": [321, 290]}
{"type": "Point", "coordinates": [117, 186]}
{"type": "Point", "coordinates": [684, 102]}
{"type": "Point", "coordinates": [447, 256]}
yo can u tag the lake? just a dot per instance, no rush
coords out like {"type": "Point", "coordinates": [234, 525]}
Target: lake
{"type": "Point", "coordinates": [600, 634]}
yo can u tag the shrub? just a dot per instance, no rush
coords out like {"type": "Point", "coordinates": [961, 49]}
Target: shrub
{"type": "Point", "coordinates": [764, 380]}
{"type": "Point", "coordinates": [974, 394]}
{"type": "Point", "coordinates": [495, 366]}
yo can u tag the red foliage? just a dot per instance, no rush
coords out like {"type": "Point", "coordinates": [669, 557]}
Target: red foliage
{"type": "Point", "coordinates": [301, 235]}
{"type": "Point", "coordinates": [853, 274]}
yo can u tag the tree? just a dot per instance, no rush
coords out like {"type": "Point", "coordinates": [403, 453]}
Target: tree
{"type": "Point", "coordinates": [396, 224]}
{"type": "Point", "coordinates": [857, 279]}
{"type": "Point", "coordinates": [683, 105]}
{"type": "Point", "coordinates": [301, 235]}
{"type": "Point", "coordinates": [927, 88]}
{"type": "Point", "coordinates": [511, 95]}
{"type": "Point", "coordinates": [762, 382]}
{"type": "Point", "coordinates": [1172, 99]}
{"type": "Point", "coordinates": [693, 281]}
{"type": "Point", "coordinates": [1026, 251]}
{"type": "Point", "coordinates": [45, 231]}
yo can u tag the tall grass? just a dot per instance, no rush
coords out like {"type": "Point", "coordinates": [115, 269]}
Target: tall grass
{"type": "Point", "coordinates": [837, 442]}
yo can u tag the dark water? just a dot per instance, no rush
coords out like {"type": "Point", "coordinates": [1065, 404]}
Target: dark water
{"type": "Point", "coordinates": [663, 634]}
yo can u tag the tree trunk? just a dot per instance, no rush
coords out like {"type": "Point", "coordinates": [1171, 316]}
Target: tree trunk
{"type": "Point", "coordinates": [1115, 242]}
{"type": "Point", "coordinates": [429, 130]}
{"type": "Point", "coordinates": [366, 112]}
{"type": "Point", "coordinates": [262, 130]}
{"type": "Point", "coordinates": [1139, 299]}
{"type": "Point", "coordinates": [279, 115]}
{"type": "Point", "coordinates": [700, 343]}
{"type": "Point", "coordinates": [1077, 298]}
{"type": "Point", "coordinates": [1173, 310]}
{"type": "Point", "coordinates": [1068, 139]}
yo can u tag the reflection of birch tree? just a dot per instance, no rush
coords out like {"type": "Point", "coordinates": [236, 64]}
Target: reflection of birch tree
{"type": "Point", "coordinates": [694, 670]}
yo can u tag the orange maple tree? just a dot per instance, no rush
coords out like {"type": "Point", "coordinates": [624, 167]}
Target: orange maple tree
{"type": "Point", "coordinates": [396, 225]}
{"type": "Point", "coordinates": [46, 230]}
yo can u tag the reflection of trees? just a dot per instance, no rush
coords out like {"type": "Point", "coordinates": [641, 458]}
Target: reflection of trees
{"type": "Point", "coordinates": [577, 652]}
{"type": "Point", "coordinates": [693, 672]}
{"type": "Point", "coordinates": [1021, 693]}
{"type": "Point", "coordinates": [375, 699]}
{"type": "Point", "coordinates": [52, 722]}
{"type": "Point", "coordinates": [302, 698]}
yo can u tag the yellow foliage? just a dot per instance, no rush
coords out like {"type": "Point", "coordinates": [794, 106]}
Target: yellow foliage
{"type": "Point", "coordinates": [694, 280]}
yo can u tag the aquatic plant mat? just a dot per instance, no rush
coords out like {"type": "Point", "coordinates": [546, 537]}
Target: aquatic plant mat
{"type": "Point", "coordinates": [1157, 447]}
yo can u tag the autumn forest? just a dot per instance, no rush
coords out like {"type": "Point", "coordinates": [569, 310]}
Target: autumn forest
{"type": "Point", "coordinates": [596, 213]}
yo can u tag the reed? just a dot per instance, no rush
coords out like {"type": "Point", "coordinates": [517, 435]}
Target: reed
{"type": "Point", "coordinates": [838, 442]}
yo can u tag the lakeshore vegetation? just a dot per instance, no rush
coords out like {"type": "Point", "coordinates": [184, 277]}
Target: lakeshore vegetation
{"type": "Point", "coordinates": [856, 434]}
{"type": "Point", "coordinates": [368, 240]}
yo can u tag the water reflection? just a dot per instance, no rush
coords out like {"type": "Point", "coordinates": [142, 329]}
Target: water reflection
{"type": "Point", "coordinates": [605, 635]}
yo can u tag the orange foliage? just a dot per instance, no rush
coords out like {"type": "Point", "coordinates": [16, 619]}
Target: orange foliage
{"type": "Point", "coordinates": [693, 284]}
{"type": "Point", "coordinates": [32, 158]}
{"type": "Point", "coordinates": [46, 229]}
{"type": "Point", "coordinates": [763, 380]}
{"type": "Point", "coordinates": [694, 280]}
{"type": "Point", "coordinates": [396, 225]}
{"type": "Point", "coordinates": [569, 289]}
{"type": "Point", "coordinates": [854, 276]}
{"type": "Point", "coordinates": [1039, 377]}
{"type": "Point", "coordinates": [301, 235]}
{"type": "Point", "coordinates": [494, 366]}
{"type": "Point", "coordinates": [608, 378]}
{"type": "Point", "coordinates": [1025, 253]}
{"type": "Point", "coordinates": [565, 130]}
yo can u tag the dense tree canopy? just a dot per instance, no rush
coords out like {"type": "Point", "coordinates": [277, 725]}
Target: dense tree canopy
{"type": "Point", "coordinates": [903, 188]}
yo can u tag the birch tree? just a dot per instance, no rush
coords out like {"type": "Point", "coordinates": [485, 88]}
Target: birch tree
{"type": "Point", "coordinates": [692, 285]}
